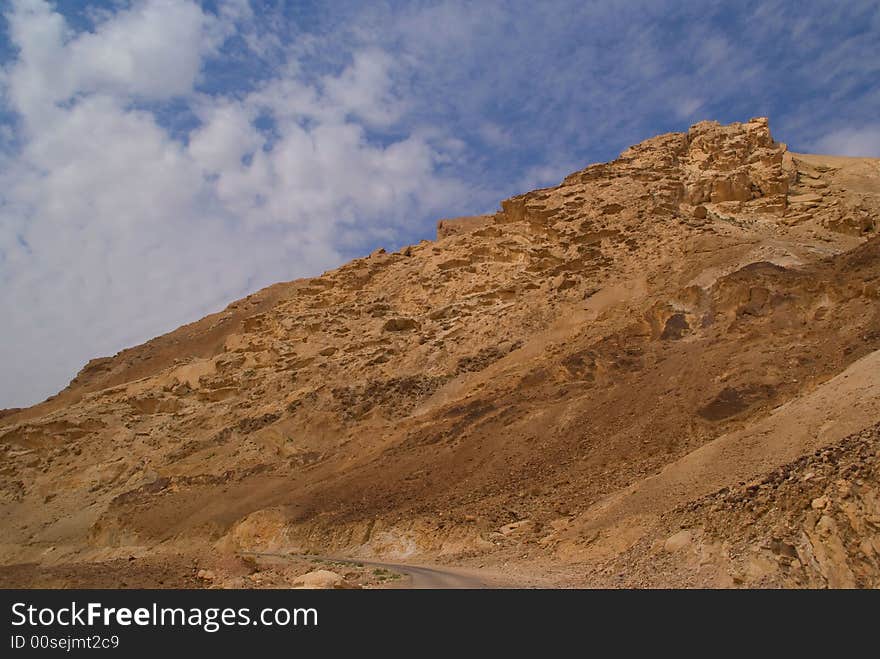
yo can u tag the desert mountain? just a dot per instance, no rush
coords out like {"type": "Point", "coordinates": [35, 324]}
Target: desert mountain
{"type": "Point", "coordinates": [664, 371]}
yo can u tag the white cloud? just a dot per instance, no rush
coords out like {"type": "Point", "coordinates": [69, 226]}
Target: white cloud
{"type": "Point", "coordinates": [320, 171]}
{"type": "Point", "coordinates": [226, 136]}
{"type": "Point", "coordinates": [364, 89]}
{"type": "Point", "coordinates": [687, 107]}
{"type": "Point", "coordinates": [111, 231]}
{"type": "Point", "coordinates": [153, 50]}
{"type": "Point", "coordinates": [863, 141]}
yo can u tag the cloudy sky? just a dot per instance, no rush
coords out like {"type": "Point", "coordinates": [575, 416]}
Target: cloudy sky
{"type": "Point", "coordinates": [160, 158]}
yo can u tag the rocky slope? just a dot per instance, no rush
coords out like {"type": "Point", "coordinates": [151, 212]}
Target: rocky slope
{"type": "Point", "coordinates": [550, 388]}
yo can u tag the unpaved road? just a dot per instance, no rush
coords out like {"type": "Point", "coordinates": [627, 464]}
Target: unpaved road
{"type": "Point", "coordinates": [417, 576]}
{"type": "Point", "coordinates": [429, 577]}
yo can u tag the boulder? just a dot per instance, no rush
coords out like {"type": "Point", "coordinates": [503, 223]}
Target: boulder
{"type": "Point", "coordinates": [321, 580]}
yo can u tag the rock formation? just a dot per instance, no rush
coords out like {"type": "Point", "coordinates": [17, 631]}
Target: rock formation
{"type": "Point", "coordinates": [663, 371]}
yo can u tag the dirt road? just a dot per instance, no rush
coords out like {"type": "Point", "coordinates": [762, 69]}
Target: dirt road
{"type": "Point", "coordinates": [429, 577]}
{"type": "Point", "coordinates": [415, 576]}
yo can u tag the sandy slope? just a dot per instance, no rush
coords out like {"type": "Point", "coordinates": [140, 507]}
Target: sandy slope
{"type": "Point", "coordinates": [836, 409]}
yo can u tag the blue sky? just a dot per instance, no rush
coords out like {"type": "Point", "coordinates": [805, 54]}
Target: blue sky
{"type": "Point", "coordinates": [160, 158]}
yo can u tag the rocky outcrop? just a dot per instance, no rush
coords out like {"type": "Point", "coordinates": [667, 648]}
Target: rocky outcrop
{"type": "Point", "coordinates": [812, 523]}
{"type": "Point", "coordinates": [458, 225]}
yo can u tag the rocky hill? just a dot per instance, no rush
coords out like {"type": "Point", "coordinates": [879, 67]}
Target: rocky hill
{"type": "Point", "coordinates": [664, 371]}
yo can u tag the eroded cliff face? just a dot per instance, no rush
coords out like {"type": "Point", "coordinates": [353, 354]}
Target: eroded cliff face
{"type": "Point", "coordinates": [486, 396]}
